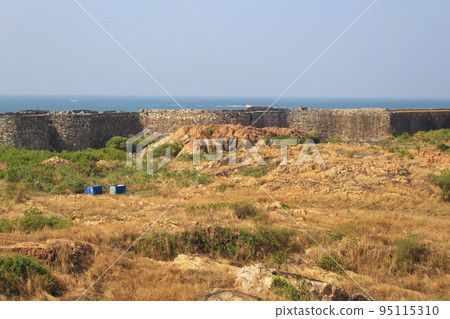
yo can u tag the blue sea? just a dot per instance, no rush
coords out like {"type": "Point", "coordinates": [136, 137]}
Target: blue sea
{"type": "Point", "coordinates": [14, 103]}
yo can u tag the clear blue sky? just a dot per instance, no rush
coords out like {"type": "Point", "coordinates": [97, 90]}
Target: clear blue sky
{"type": "Point", "coordinates": [401, 48]}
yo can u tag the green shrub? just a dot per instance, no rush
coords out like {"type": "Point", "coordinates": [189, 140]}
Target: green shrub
{"type": "Point", "coordinates": [5, 226]}
{"type": "Point", "coordinates": [404, 152]}
{"type": "Point", "coordinates": [337, 234]}
{"type": "Point", "coordinates": [331, 262]}
{"type": "Point", "coordinates": [89, 155]}
{"type": "Point", "coordinates": [16, 270]}
{"type": "Point", "coordinates": [434, 137]}
{"type": "Point", "coordinates": [205, 179]}
{"type": "Point", "coordinates": [315, 136]}
{"type": "Point", "coordinates": [15, 157]}
{"type": "Point", "coordinates": [246, 210]}
{"type": "Point", "coordinates": [120, 143]}
{"type": "Point", "coordinates": [117, 142]}
{"type": "Point", "coordinates": [33, 220]}
{"type": "Point", "coordinates": [161, 150]}
{"type": "Point", "coordinates": [405, 138]}
{"type": "Point", "coordinates": [409, 253]}
{"type": "Point", "coordinates": [280, 137]}
{"type": "Point", "coordinates": [240, 245]}
{"type": "Point", "coordinates": [285, 289]}
{"type": "Point", "coordinates": [257, 172]}
{"type": "Point", "coordinates": [210, 131]}
{"type": "Point", "coordinates": [287, 206]}
{"type": "Point", "coordinates": [443, 182]}
{"type": "Point", "coordinates": [185, 157]}
{"type": "Point", "coordinates": [443, 147]}
{"type": "Point", "coordinates": [334, 140]}
{"type": "Point", "coordinates": [39, 177]}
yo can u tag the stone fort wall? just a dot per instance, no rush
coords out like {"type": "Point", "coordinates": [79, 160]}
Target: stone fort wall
{"type": "Point", "coordinates": [77, 130]}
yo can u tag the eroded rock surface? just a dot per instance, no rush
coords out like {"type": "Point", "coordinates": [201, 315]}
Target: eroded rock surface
{"type": "Point", "coordinates": [75, 255]}
{"type": "Point", "coordinates": [257, 279]}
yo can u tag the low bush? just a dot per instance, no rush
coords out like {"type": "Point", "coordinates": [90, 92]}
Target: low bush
{"type": "Point", "coordinates": [256, 172]}
{"type": "Point", "coordinates": [16, 271]}
{"type": "Point", "coordinates": [185, 157]}
{"type": "Point", "coordinates": [315, 137]}
{"type": "Point", "coordinates": [117, 142]}
{"type": "Point", "coordinates": [331, 262]}
{"type": "Point", "coordinates": [161, 150]}
{"type": "Point", "coordinates": [285, 289]}
{"type": "Point", "coordinates": [443, 147]}
{"type": "Point", "coordinates": [443, 182]}
{"type": "Point", "coordinates": [434, 137]}
{"type": "Point", "coordinates": [5, 226]}
{"type": "Point", "coordinates": [33, 220]}
{"type": "Point", "coordinates": [246, 210]}
{"type": "Point", "coordinates": [404, 152]}
{"type": "Point", "coordinates": [287, 206]}
{"type": "Point", "coordinates": [210, 131]}
{"type": "Point", "coordinates": [334, 140]}
{"type": "Point", "coordinates": [236, 244]}
{"type": "Point", "coordinates": [409, 254]}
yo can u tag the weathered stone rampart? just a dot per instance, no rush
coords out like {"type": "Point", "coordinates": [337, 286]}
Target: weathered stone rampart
{"type": "Point", "coordinates": [76, 130]}
{"type": "Point", "coordinates": [361, 125]}
{"type": "Point", "coordinates": [412, 121]}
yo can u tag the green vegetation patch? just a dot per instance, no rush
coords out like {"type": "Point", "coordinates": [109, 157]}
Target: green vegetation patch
{"type": "Point", "coordinates": [409, 253]}
{"type": "Point", "coordinates": [256, 172]}
{"type": "Point", "coordinates": [331, 262]}
{"type": "Point", "coordinates": [210, 131]}
{"type": "Point", "coordinates": [402, 143]}
{"type": "Point", "coordinates": [17, 270]}
{"type": "Point", "coordinates": [315, 136]}
{"type": "Point", "coordinates": [287, 206]}
{"type": "Point", "coordinates": [434, 137]}
{"type": "Point", "coordinates": [247, 210]}
{"type": "Point", "coordinates": [173, 148]}
{"type": "Point", "coordinates": [25, 173]}
{"type": "Point", "coordinates": [443, 182]}
{"type": "Point", "coordinates": [185, 157]}
{"type": "Point", "coordinates": [33, 220]}
{"type": "Point", "coordinates": [236, 244]}
{"type": "Point", "coordinates": [285, 289]}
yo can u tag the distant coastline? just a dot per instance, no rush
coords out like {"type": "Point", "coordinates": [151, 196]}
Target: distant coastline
{"type": "Point", "coordinates": [14, 103]}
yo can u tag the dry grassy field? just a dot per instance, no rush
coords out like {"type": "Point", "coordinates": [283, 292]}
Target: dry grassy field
{"type": "Point", "coordinates": [232, 232]}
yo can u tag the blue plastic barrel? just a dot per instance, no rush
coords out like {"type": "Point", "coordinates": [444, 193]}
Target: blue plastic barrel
{"type": "Point", "coordinates": [94, 190]}
{"type": "Point", "coordinates": [117, 189]}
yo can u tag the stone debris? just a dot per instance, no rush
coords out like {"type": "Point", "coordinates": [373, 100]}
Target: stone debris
{"type": "Point", "coordinates": [56, 162]}
{"type": "Point", "coordinates": [259, 277]}
{"type": "Point", "coordinates": [226, 133]}
{"type": "Point", "coordinates": [256, 279]}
